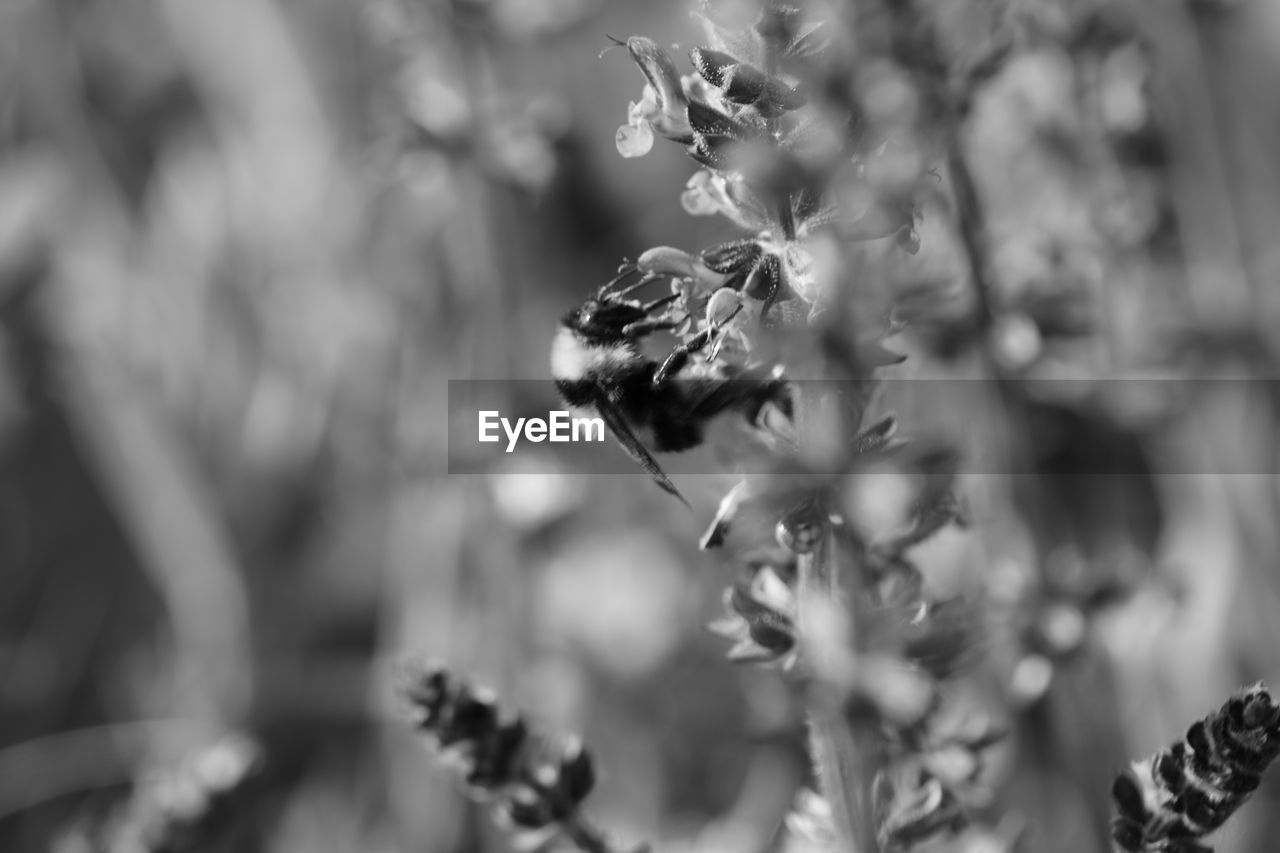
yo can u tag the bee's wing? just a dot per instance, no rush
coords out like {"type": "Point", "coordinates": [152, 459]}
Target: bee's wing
{"type": "Point", "coordinates": [633, 446]}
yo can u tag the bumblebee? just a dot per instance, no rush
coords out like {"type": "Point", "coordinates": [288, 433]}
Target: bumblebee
{"type": "Point", "coordinates": [597, 363]}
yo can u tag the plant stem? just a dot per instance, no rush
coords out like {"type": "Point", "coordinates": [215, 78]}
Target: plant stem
{"type": "Point", "coordinates": [584, 835]}
{"type": "Point", "coordinates": [843, 755]}
{"type": "Point", "coordinates": [971, 223]}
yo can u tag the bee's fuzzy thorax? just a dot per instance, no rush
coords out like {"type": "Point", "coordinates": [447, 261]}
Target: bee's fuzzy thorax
{"type": "Point", "coordinates": [574, 357]}
{"type": "Point", "coordinates": [650, 407]}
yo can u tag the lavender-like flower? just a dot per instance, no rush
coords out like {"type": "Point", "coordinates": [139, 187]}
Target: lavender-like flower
{"type": "Point", "coordinates": [535, 783]}
{"type": "Point", "coordinates": [1168, 802]}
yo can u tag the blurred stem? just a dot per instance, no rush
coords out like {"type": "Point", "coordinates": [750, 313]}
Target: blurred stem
{"type": "Point", "coordinates": [171, 520]}
{"type": "Point", "coordinates": [37, 771]}
{"type": "Point", "coordinates": [971, 223]}
{"type": "Point", "coordinates": [843, 755]}
{"type": "Point", "coordinates": [585, 835]}
{"type": "Point", "coordinates": [1199, 176]}
{"type": "Point", "coordinates": [912, 36]}
{"type": "Point", "coordinates": [163, 505]}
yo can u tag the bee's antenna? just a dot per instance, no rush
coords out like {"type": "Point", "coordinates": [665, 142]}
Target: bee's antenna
{"type": "Point", "coordinates": [616, 43]}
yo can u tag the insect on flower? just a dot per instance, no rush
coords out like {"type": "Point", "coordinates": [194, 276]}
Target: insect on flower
{"type": "Point", "coordinates": [597, 362]}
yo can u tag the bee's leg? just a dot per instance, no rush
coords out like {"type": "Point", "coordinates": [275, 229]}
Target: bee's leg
{"type": "Point", "coordinates": [719, 335]}
{"type": "Point", "coordinates": [660, 303]}
{"type": "Point", "coordinates": [680, 355]}
{"type": "Point", "coordinates": [640, 328]}
{"type": "Point", "coordinates": [715, 348]}
{"type": "Point", "coordinates": [624, 272]}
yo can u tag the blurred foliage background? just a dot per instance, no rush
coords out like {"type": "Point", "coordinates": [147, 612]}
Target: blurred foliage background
{"type": "Point", "coordinates": [245, 244]}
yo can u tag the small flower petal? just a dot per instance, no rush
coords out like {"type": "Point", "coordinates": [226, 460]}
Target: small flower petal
{"type": "Point", "coordinates": [634, 140]}
{"type": "Point", "coordinates": [646, 108]}
{"type": "Point", "coordinates": [696, 203]}
{"type": "Point", "coordinates": [698, 198]}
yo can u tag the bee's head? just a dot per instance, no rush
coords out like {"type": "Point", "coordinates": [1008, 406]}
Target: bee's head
{"type": "Point", "coordinates": [603, 319]}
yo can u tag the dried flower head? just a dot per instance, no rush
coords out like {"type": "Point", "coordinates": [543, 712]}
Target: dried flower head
{"type": "Point", "coordinates": [1165, 803]}
{"type": "Point", "coordinates": [535, 783]}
